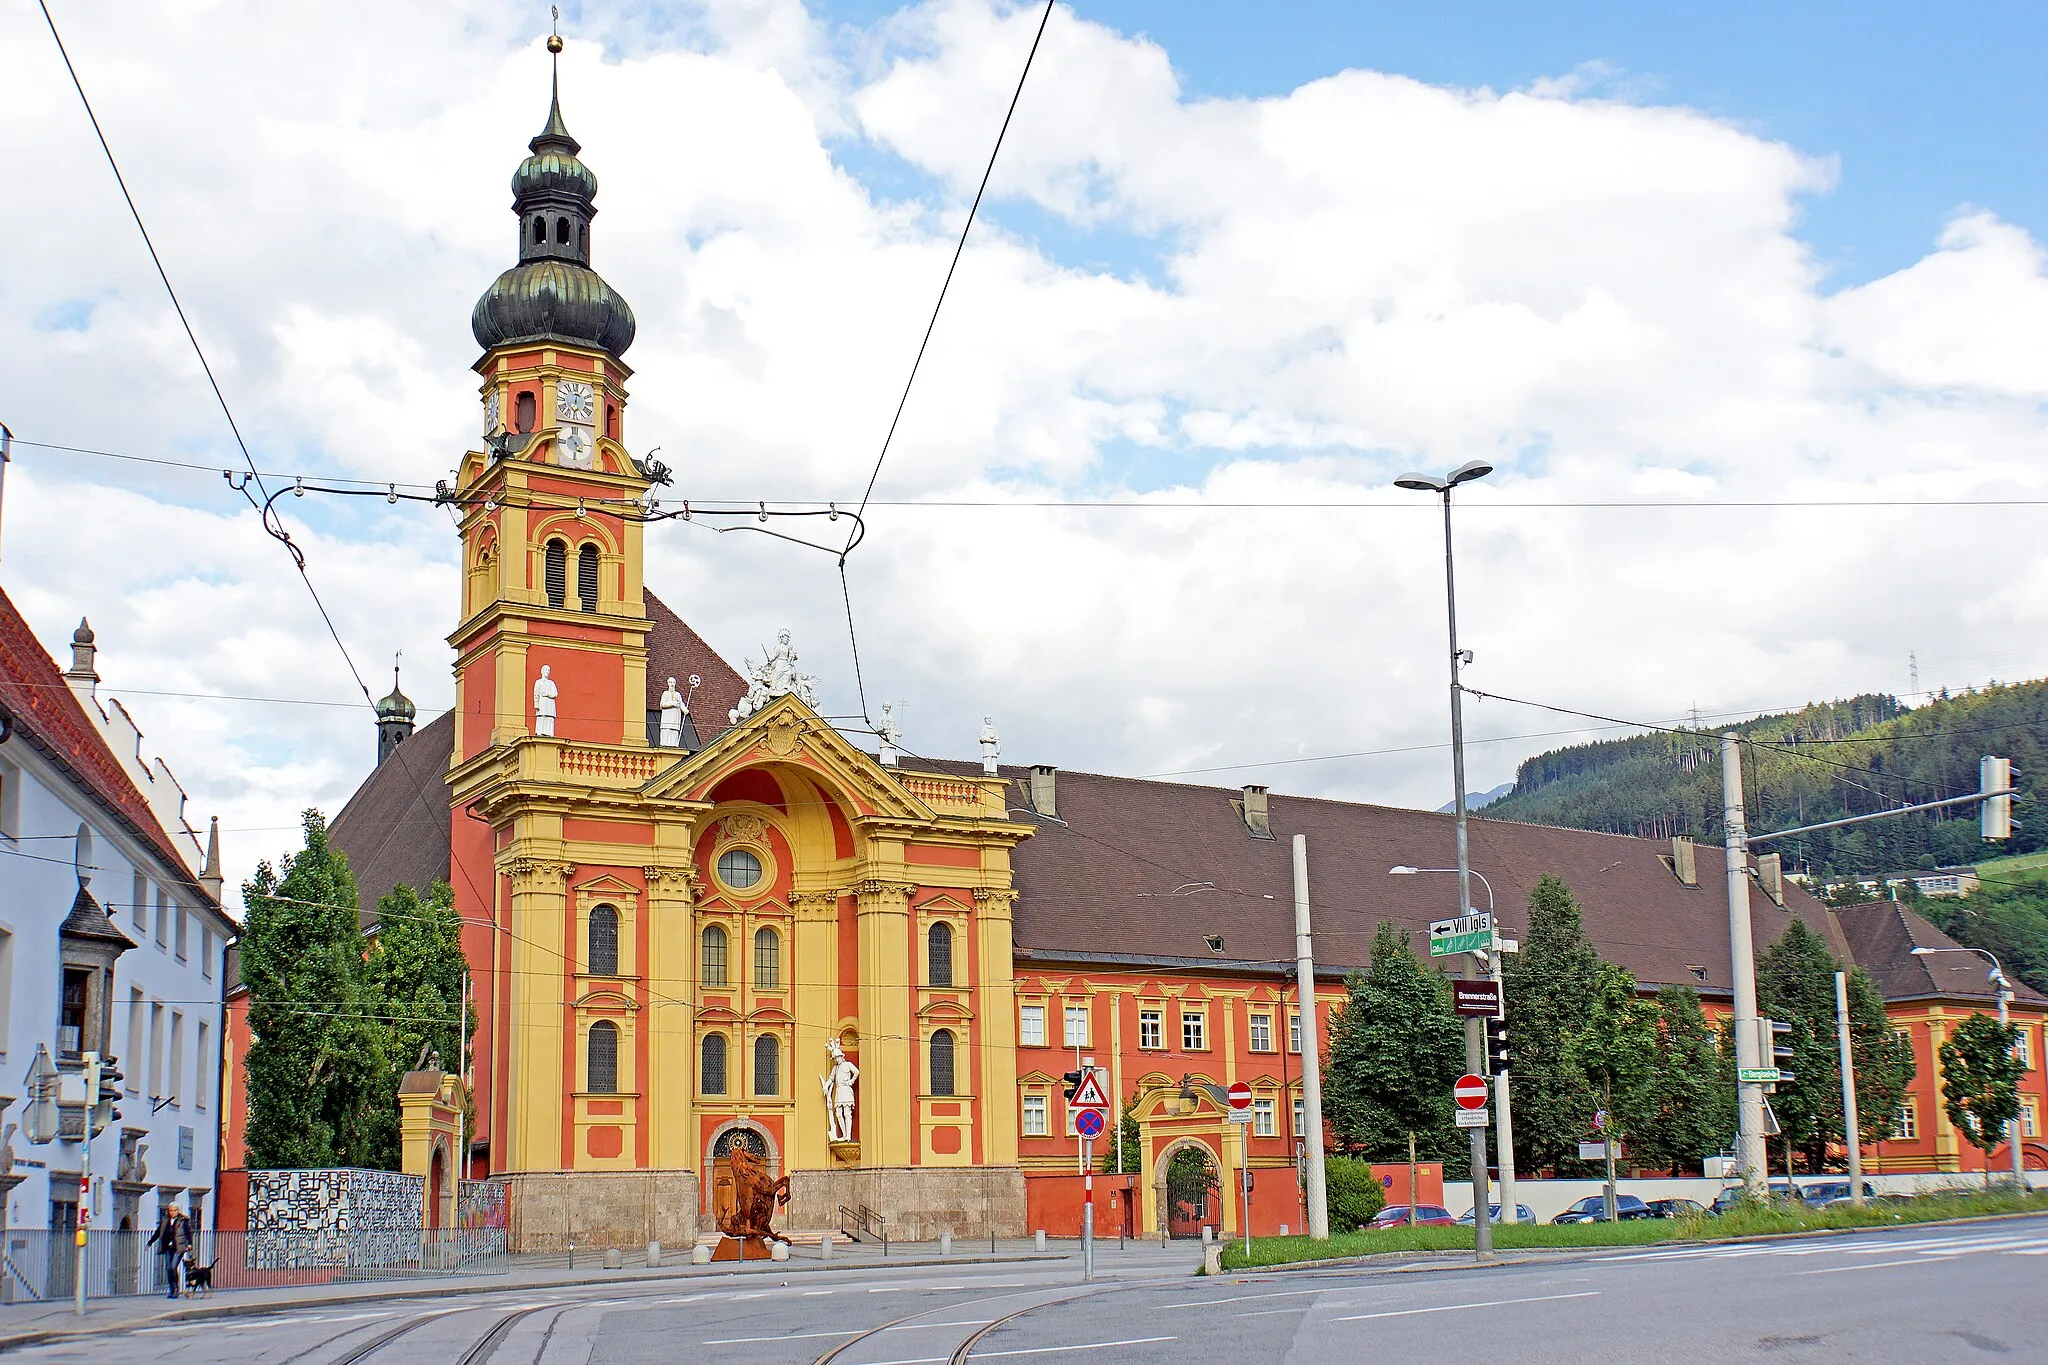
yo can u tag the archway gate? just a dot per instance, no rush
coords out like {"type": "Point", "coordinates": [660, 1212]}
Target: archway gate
{"type": "Point", "coordinates": [1169, 1122]}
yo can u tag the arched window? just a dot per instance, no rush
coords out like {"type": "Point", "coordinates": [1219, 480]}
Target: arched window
{"type": "Point", "coordinates": [540, 229]}
{"type": "Point", "coordinates": [602, 1058]}
{"type": "Point", "coordinates": [938, 954]}
{"type": "Point", "coordinates": [767, 960]}
{"type": "Point", "coordinates": [557, 573]}
{"type": "Point", "coordinates": [604, 941]}
{"type": "Point", "coordinates": [767, 1065]}
{"type": "Point", "coordinates": [942, 1062]}
{"type": "Point", "coordinates": [562, 231]}
{"type": "Point", "coordinates": [523, 411]}
{"type": "Point", "coordinates": [714, 956]}
{"type": "Point", "coordinates": [714, 1064]}
{"type": "Point", "coordinates": [586, 577]}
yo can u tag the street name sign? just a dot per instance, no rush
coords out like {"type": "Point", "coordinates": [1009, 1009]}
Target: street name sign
{"type": "Point", "coordinates": [1473, 1118]}
{"type": "Point", "coordinates": [1768, 1075]}
{"type": "Point", "coordinates": [1466, 934]}
{"type": "Point", "coordinates": [1475, 999]}
{"type": "Point", "coordinates": [1594, 1151]}
{"type": "Point", "coordinates": [1088, 1122]}
{"type": "Point", "coordinates": [1470, 1091]}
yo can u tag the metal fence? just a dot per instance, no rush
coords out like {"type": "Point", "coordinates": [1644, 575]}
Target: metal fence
{"type": "Point", "coordinates": [39, 1264]}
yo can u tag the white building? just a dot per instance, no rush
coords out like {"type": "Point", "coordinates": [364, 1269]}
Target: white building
{"type": "Point", "coordinates": [109, 942]}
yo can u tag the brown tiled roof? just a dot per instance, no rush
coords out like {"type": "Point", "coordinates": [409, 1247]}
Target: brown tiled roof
{"type": "Point", "coordinates": [395, 828]}
{"type": "Point", "coordinates": [1882, 937]}
{"type": "Point", "coordinates": [38, 703]}
{"type": "Point", "coordinates": [1145, 870]}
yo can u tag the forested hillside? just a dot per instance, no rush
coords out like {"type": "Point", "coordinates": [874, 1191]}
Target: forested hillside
{"type": "Point", "coordinates": [1825, 761]}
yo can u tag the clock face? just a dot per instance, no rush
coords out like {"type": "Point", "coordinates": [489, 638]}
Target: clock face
{"type": "Point", "coordinates": [577, 447]}
{"type": "Point", "coordinates": [491, 417]}
{"type": "Point", "coordinates": [575, 401]}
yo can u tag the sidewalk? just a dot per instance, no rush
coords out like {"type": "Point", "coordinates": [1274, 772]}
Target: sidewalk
{"type": "Point", "coordinates": [25, 1324]}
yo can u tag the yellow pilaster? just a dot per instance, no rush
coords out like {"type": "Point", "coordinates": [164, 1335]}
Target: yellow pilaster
{"type": "Point", "coordinates": [815, 1000]}
{"type": "Point", "coordinates": [888, 1033]}
{"type": "Point", "coordinates": [995, 1010]}
{"type": "Point", "coordinates": [534, 1061]}
{"type": "Point", "coordinates": [667, 1034]}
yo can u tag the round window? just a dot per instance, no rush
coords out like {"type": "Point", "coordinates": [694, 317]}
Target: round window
{"type": "Point", "coordinates": [739, 868]}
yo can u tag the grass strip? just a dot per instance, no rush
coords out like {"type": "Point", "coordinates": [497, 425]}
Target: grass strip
{"type": "Point", "coordinates": [1753, 1221]}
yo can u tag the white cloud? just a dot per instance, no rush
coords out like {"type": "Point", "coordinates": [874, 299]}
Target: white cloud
{"type": "Point", "coordinates": [1308, 293]}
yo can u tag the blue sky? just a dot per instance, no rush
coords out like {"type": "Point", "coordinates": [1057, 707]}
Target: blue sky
{"type": "Point", "coordinates": [1928, 106]}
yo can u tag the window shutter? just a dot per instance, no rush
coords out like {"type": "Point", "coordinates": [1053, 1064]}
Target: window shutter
{"type": "Point", "coordinates": [586, 577]}
{"type": "Point", "coordinates": [558, 568]}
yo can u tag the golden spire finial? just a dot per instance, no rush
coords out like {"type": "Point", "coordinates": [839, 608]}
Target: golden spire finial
{"type": "Point", "coordinates": [554, 29]}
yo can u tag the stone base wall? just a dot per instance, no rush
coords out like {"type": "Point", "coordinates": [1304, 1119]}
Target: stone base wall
{"type": "Point", "coordinates": [919, 1202]}
{"type": "Point", "coordinates": [548, 1211]}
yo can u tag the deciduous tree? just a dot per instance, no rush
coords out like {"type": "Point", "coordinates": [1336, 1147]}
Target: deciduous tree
{"type": "Point", "coordinates": [1549, 987]}
{"type": "Point", "coordinates": [1683, 1108]}
{"type": "Point", "coordinates": [1395, 1051]}
{"type": "Point", "coordinates": [1980, 1078]}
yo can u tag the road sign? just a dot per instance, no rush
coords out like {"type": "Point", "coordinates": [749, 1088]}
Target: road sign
{"type": "Point", "coordinates": [1475, 999]}
{"type": "Point", "coordinates": [1600, 1120]}
{"type": "Point", "coordinates": [1466, 934]}
{"type": "Point", "coordinates": [1088, 1122]}
{"type": "Point", "coordinates": [1594, 1151]}
{"type": "Point", "coordinates": [1473, 1118]}
{"type": "Point", "coordinates": [1470, 1092]}
{"type": "Point", "coordinates": [1089, 1093]}
{"type": "Point", "coordinates": [1240, 1095]}
{"type": "Point", "coordinates": [1240, 1116]}
{"type": "Point", "coordinates": [1767, 1075]}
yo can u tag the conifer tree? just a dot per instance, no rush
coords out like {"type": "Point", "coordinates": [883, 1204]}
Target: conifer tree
{"type": "Point", "coordinates": [1395, 1051]}
{"type": "Point", "coordinates": [1549, 987]}
{"type": "Point", "coordinates": [316, 1051]}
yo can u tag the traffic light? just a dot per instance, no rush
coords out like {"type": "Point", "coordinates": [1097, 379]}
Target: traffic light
{"type": "Point", "coordinates": [1496, 1046]}
{"type": "Point", "coordinates": [1071, 1080]}
{"type": "Point", "coordinates": [1777, 1047]}
{"type": "Point", "coordinates": [1995, 815]}
{"type": "Point", "coordinates": [104, 1114]}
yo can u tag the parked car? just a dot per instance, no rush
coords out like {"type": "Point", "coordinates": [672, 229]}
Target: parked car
{"type": "Point", "coordinates": [1593, 1209]}
{"type": "Point", "coordinates": [1820, 1193]}
{"type": "Point", "coordinates": [1523, 1214]}
{"type": "Point", "coordinates": [1426, 1215]}
{"type": "Point", "coordinates": [1675, 1208]}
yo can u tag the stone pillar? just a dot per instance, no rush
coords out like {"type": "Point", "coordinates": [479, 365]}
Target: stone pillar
{"type": "Point", "coordinates": [888, 1031]}
{"type": "Point", "coordinates": [536, 1087]}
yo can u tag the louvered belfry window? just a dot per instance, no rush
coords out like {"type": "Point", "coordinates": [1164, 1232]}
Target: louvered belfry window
{"type": "Point", "coordinates": [558, 573]}
{"type": "Point", "coordinates": [586, 577]}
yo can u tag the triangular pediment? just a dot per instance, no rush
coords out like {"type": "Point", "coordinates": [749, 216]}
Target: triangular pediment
{"type": "Point", "coordinates": [605, 884]}
{"type": "Point", "coordinates": [786, 731]}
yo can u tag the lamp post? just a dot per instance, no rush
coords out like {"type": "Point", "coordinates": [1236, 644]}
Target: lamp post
{"type": "Point", "coordinates": [1503, 1118]}
{"type": "Point", "coordinates": [1475, 1039]}
{"type": "Point", "coordinates": [1997, 978]}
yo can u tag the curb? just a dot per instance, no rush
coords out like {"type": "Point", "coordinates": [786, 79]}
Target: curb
{"type": "Point", "coordinates": [484, 1284]}
{"type": "Point", "coordinates": [1531, 1255]}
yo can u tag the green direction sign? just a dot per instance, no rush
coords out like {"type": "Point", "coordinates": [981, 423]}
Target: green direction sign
{"type": "Point", "coordinates": [1466, 934]}
{"type": "Point", "coordinates": [1766, 1075]}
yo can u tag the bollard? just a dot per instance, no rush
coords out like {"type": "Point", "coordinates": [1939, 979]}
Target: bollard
{"type": "Point", "coordinates": [778, 1251]}
{"type": "Point", "coordinates": [1040, 1239]}
{"type": "Point", "coordinates": [654, 1255]}
{"type": "Point", "coordinates": [614, 1259]}
{"type": "Point", "coordinates": [1212, 1258]}
{"type": "Point", "coordinates": [825, 1247]}
{"type": "Point", "coordinates": [1283, 1229]}
{"type": "Point", "coordinates": [946, 1242]}
{"type": "Point", "coordinates": [1208, 1234]}
{"type": "Point", "coordinates": [700, 1255]}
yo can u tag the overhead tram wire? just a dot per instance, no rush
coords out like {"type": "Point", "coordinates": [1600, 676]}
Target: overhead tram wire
{"type": "Point", "coordinates": [959, 247]}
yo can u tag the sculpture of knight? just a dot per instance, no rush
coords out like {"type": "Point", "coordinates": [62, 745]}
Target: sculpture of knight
{"type": "Point", "coordinates": [838, 1084]}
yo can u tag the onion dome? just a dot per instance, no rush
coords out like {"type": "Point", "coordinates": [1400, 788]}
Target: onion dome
{"type": "Point", "coordinates": [397, 706]}
{"type": "Point", "coordinates": [553, 294]}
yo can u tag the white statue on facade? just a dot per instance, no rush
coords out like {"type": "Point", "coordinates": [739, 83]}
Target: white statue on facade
{"type": "Point", "coordinates": [991, 750]}
{"type": "Point", "coordinates": [672, 708]}
{"type": "Point", "coordinates": [775, 676]}
{"type": "Point", "coordinates": [544, 691]}
{"type": "Point", "coordinates": [889, 733]}
{"type": "Point", "coordinates": [838, 1086]}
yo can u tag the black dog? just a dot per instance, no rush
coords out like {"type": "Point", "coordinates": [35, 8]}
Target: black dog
{"type": "Point", "coordinates": [198, 1277]}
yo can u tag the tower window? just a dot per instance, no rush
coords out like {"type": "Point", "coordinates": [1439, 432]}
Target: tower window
{"type": "Point", "coordinates": [611, 421]}
{"type": "Point", "coordinates": [557, 572]}
{"type": "Point", "coordinates": [540, 229]}
{"type": "Point", "coordinates": [767, 1065]}
{"type": "Point", "coordinates": [523, 411]}
{"type": "Point", "coordinates": [714, 1064]}
{"type": "Point", "coordinates": [604, 941]}
{"type": "Point", "coordinates": [602, 1058]}
{"type": "Point", "coordinates": [942, 1062]}
{"type": "Point", "coordinates": [562, 231]}
{"type": "Point", "coordinates": [586, 577]}
{"type": "Point", "coordinates": [767, 960]}
{"type": "Point", "coordinates": [938, 942]}
{"type": "Point", "coordinates": [714, 956]}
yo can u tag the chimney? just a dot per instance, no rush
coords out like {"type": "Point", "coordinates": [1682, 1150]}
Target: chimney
{"type": "Point", "coordinates": [82, 675]}
{"type": "Point", "coordinates": [210, 875]}
{"type": "Point", "coordinates": [1770, 875]}
{"type": "Point", "coordinates": [1042, 792]}
{"type": "Point", "coordinates": [1254, 808]}
{"type": "Point", "coordinates": [1682, 863]}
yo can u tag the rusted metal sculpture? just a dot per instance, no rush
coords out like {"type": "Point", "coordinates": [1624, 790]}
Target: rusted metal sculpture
{"type": "Point", "coordinates": [745, 1199]}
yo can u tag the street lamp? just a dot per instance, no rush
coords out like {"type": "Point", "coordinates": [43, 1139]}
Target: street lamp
{"type": "Point", "coordinates": [1997, 978]}
{"type": "Point", "coordinates": [1503, 1118]}
{"type": "Point", "coordinates": [1475, 1039]}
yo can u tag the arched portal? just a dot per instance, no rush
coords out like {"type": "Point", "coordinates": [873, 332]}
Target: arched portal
{"type": "Point", "coordinates": [1188, 1187]}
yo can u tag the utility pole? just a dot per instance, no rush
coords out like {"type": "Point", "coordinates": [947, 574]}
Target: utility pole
{"type": "Point", "coordinates": [92, 1099]}
{"type": "Point", "coordinates": [1311, 1062]}
{"type": "Point", "coordinates": [1749, 1095]}
{"type": "Point", "coordinates": [1852, 1129]}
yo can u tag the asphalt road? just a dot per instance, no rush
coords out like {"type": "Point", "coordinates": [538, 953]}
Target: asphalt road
{"type": "Point", "coordinates": [1942, 1294]}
